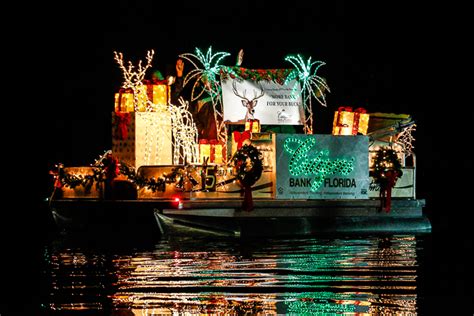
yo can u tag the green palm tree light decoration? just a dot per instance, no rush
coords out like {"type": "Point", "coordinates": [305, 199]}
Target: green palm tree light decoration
{"type": "Point", "coordinates": [312, 85]}
{"type": "Point", "coordinates": [205, 75]}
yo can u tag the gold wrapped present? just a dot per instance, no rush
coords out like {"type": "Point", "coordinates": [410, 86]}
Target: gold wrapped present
{"type": "Point", "coordinates": [252, 126]}
{"type": "Point", "coordinates": [210, 150]}
{"type": "Point", "coordinates": [157, 94]}
{"type": "Point", "coordinates": [348, 122]}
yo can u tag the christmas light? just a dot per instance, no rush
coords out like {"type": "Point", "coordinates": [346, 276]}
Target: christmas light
{"type": "Point", "coordinates": [311, 85]}
{"type": "Point", "coordinates": [133, 78]}
{"type": "Point", "coordinates": [206, 80]}
{"type": "Point", "coordinates": [320, 167]}
{"type": "Point", "coordinates": [406, 139]}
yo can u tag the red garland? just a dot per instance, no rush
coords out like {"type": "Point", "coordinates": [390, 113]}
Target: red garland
{"type": "Point", "coordinates": [240, 137]}
{"type": "Point", "coordinates": [122, 122]}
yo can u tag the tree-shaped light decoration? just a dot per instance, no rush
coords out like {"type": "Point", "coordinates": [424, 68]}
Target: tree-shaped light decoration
{"type": "Point", "coordinates": [133, 77]}
{"type": "Point", "coordinates": [405, 139]}
{"type": "Point", "coordinates": [312, 85]}
{"type": "Point", "coordinates": [185, 134]}
{"type": "Point", "coordinates": [205, 75]}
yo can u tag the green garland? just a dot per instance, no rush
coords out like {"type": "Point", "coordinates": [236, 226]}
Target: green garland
{"type": "Point", "coordinates": [248, 162]}
{"type": "Point", "coordinates": [105, 169]}
{"type": "Point", "coordinates": [277, 75]}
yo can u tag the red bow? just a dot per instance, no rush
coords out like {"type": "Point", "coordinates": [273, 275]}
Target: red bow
{"type": "Point", "coordinates": [240, 137]}
{"type": "Point", "coordinates": [345, 108]}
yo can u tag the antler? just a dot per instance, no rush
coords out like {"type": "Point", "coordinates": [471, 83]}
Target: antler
{"type": "Point", "coordinates": [261, 92]}
{"type": "Point", "coordinates": [234, 88]}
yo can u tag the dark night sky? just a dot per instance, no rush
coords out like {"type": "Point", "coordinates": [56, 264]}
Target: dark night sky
{"type": "Point", "coordinates": [386, 56]}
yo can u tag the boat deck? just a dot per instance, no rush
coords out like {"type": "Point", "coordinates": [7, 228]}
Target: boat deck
{"type": "Point", "coordinates": [270, 217]}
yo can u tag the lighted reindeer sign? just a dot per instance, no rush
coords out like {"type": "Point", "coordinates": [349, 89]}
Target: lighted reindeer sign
{"type": "Point", "coordinates": [249, 104]}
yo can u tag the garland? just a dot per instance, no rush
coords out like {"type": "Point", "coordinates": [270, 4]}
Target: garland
{"type": "Point", "coordinates": [277, 75]}
{"type": "Point", "coordinates": [106, 168]}
{"type": "Point", "coordinates": [387, 169]}
{"type": "Point", "coordinates": [248, 163]}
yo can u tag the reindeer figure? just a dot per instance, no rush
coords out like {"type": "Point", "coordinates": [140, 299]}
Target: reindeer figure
{"type": "Point", "coordinates": [249, 104]}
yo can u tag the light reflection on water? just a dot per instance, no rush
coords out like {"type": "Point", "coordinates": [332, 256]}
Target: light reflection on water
{"type": "Point", "coordinates": [219, 276]}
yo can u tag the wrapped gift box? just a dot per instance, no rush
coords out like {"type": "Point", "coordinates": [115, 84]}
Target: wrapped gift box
{"type": "Point", "coordinates": [158, 94]}
{"type": "Point", "coordinates": [142, 138]}
{"type": "Point", "coordinates": [210, 149]}
{"type": "Point", "coordinates": [80, 192]}
{"type": "Point", "coordinates": [253, 126]}
{"type": "Point", "coordinates": [348, 122]}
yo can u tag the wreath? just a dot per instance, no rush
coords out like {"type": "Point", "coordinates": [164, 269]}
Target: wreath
{"type": "Point", "coordinates": [248, 164]}
{"type": "Point", "coordinates": [387, 169]}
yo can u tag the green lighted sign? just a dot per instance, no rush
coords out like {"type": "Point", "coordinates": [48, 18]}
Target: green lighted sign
{"type": "Point", "coordinates": [322, 167]}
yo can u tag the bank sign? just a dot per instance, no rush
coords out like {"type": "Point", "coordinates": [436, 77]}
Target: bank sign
{"type": "Point", "coordinates": [322, 166]}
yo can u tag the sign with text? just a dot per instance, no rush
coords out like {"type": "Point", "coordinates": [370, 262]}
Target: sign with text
{"type": "Point", "coordinates": [266, 100]}
{"type": "Point", "coordinates": [322, 166]}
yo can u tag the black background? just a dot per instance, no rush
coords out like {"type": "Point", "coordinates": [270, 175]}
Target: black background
{"type": "Point", "coordinates": [393, 57]}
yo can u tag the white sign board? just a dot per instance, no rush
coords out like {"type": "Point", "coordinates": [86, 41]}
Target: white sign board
{"type": "Point", "coordinates": [266, 100]}
{"type": "Point", "coordinates": [322, 166]}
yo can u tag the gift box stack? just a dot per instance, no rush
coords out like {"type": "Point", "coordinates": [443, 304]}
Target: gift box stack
{"type": "Point", "coordinates": [141, 135]}
{"type": "Point", "coordinates": [350, 122]}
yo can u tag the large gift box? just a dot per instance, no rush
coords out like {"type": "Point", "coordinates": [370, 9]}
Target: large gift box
{"type": "Point", "coordinates": [142, 138]}
{"type": "Point", "coordinates": [349, 122]}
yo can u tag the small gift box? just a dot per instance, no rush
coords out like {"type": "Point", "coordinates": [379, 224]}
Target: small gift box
{"type": "Point", "coordinates": [157, 92]}
{"type": "Point", "coordinates": [124, 101]}
{"type": "Point", "coordinates": [252, 126]}
{"type": "Point", "coordinates": [210, 150]}
{"type": "Point", "coordinates": [349, 122]}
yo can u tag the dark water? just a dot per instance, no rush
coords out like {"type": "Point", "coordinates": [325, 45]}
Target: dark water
{"type": "Point", "coordinates": [83, 275]}
{"type": "Point", "coordinates": [122, 273]}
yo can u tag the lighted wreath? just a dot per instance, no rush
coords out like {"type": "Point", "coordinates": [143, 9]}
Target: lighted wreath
{"type": "Point", "coordinates": [248, 164]}
{"type": "Point", "coordinates": [387, 169]}
{"type": "Point", "coordinates": [248, 167]}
